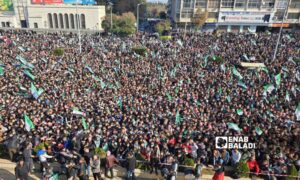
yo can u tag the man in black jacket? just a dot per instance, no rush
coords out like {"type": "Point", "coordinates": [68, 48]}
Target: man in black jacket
{"type": "Point", "coordinates": [12, 146]}
{"type": "Point", "coordinates": [21, 171]}
{"type": "Point", "coordinates": [131, 162]}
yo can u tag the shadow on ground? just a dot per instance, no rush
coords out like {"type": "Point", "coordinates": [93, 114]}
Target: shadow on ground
{"type": "Point", "coordinates": [6, 175]}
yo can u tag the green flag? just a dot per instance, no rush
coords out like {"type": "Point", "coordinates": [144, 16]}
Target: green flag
{"type": "Point", "coordinates": [233, 126]}
{"type": "Point", "coordinates": [84, 124]}
{"type": "Point", "coordinates": [287, 96]}
{"type": "Point", "coordinates": [54, 177]}
{"type": "Point", "coordinates": [28, 123]}
{"type": "Point", "coordinates": [120, 104]}
{"type": "Point", "coordinates": [258, 131]}
{"type": "Point", "coordinates": [36, 93]}
{"type": "Point", "coordinates": [220, 91]}
{"type": "Point", "coordinates": [278, 79]}
{"type": "Point", "coordinates": [236, 73]}
{"type": "Point", "coordinates": [268, 89]}
{"type": "Point", "coordinates": [177, 118]}
{"type": "Point", "coordinates": [77, 112]}
{"type": "Point", "coordinates": [297, 112]}
{"type": "Point", "coordinates": [239, 112]}
{"type": "Point", "coordinates": [1, 71]}
{"type": "Point", "coordinates": [103, 85]}
{"type": "Point", "coordinates": [243, 85]}
{"type": "Point", "coordinates": [31, 76]}
{"type": "Point", "coordinates": [169, 96]}
{"type": "Point", "coordinates": [228, 99]}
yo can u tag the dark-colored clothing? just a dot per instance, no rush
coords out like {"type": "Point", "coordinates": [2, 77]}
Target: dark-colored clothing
{"type": "Point", "coordinates": [22, 172]}
{"type": "Point", "coordinates": [131, 162]}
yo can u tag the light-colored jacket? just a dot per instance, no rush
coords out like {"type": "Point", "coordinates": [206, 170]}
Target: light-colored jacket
{"type": "Point", "coordinates": [96, 166]}
{"type": "Point", "coordinates": [43, 157]}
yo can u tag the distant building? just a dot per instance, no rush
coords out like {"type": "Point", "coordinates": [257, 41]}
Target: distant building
{"type": "Point", "coordinates": [237, 15]}
{"type": "Point", "coordinates": [51, 14]}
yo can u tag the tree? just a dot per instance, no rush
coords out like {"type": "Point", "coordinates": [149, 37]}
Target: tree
{"type": "Point", "coordinates": [162, 15]}
{"type": "Point", "coordinates": [123, 6]}
{"type": "Point", "coordinates": [199, 18]}
{"type": "Point", "coordinates": [163, 26]}
{"type": "Point", "coordinates": [122, 25]}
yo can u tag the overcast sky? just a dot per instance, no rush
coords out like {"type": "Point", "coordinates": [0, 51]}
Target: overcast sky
{"type": "Point", "coordinates": [163, 1]}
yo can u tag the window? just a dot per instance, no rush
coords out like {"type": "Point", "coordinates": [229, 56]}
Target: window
{"type": "Point", "coordinates": [279, 15]}
{"type": "Point", "coordinates": [281, 4]}
{"type": "Point", "coordinates": [50, 20]}
{"type": "Point", "coordinates": [186, 15]}
{"type": "Point", "coordinates": [213, 4]}
{"type": "Point", "coordinates": [212, 15]}
{"type": "Point", "coordinates": [201, 3]}
{"type": "Point", "coordinates": [187, 4]}
{"type": "Point", "coordinates": [240, 4]}
{"type": "Point", "coordinates": [61, 21]}
{"type": "Point", "coordinates": [295, 4]}
{"type": "Point", "coordinates": [72, 21]}
{"type": "Point", "coordinates": [35, 25]}
{"type": "Point", "coordinates": [3, 24]}
{"type": "Point", "coordinates": [67, 21]}
{"type": "Point", "coordinates": [82, 21]}
{"type": "Point", "coordinates": [7, 24]}
{"type": "Point", "coordinates": [55, 20]}
{"type": "Point", "coordinates": [253, 4]}
{"type": "Point", "coordinates": [268, 4]}
{"type": "Point", "coordinates": [227, 3]}
{"type": "Point", "coordinates": [293, 15]}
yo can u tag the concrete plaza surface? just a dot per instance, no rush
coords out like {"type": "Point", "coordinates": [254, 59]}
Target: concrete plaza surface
{"type": "Point", "coordinates": [7, 173]}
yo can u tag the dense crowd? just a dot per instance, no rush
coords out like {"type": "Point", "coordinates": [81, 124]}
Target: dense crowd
{"type": "Point", "coordinates": [167, 105]}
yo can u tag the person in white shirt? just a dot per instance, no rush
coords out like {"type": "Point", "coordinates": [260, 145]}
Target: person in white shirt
{"type": "Point", "coordinates": [43, 156]}
{"type": "Point", "coordinates": [235, 157]}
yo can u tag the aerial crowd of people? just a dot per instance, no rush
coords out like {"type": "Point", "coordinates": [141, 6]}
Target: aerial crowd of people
{"type": "Point", "coordinates": [167, 105]}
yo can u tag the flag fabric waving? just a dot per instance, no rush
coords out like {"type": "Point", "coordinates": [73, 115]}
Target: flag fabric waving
{"type": "Point", "coordinates": [28, 123]}
{"type": "Point", "coordinates": [278, 79]}
{"type": "Point", "coordinates": [233, 126]}
{"type": "Point", "coordinates": [177, 118]}
{"type": "Point", "coordinates": [297, 112]}
{"type": "Point", "coordinates": [77, 112]}
{"type": "Point", "coordinates": [36, 93]}
{"type": "Point", "coordinates": [236, 73]}
{"type": "Point", "coordinates": [1, 71]}
{"type": "Point", "coordinates": [84, 124]}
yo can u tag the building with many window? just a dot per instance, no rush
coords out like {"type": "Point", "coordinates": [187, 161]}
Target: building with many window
{"type": "Point", "coordinates": [52, 14]}
{"type": "Point", "coordinates": [236, 15]}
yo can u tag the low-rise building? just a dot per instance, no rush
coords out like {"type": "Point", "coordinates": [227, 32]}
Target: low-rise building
{"type": "Point", "coordinates": [52, 14]}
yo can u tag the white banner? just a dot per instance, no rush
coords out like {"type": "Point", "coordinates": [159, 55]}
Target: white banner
{"type": "Point", "coordinates": [246, 17]}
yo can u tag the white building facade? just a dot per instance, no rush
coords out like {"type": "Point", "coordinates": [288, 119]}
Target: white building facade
{"type": "Point", "coordinates": [237, 15]}
{"type": "Point", "coordinates": [53, 16]}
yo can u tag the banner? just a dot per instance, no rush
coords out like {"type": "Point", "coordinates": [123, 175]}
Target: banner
{"type": "Point", "coordinates": [47, 1]}
{"type": "Point", "coordinates": [79, 2]}
{"type": "Point", "coordinates": [245, 17]}
{"type": "Point", "coordinates": [6, 5]}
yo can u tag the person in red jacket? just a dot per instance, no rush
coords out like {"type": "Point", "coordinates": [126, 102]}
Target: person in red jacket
{"type": "Point", "coordinates": [219, 170]}
{"type": "Point", "coordinates": [253, 165]}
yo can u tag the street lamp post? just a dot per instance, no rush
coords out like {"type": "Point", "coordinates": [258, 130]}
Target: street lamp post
{"type": "Point", "coordinates": [280, 31]}
{"type": "Point", "coordinates": [137, 17]}
{"type": "Point", "coordinates": [78, 27]}
{"type": "Point", "coordinates": [111, 19]}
